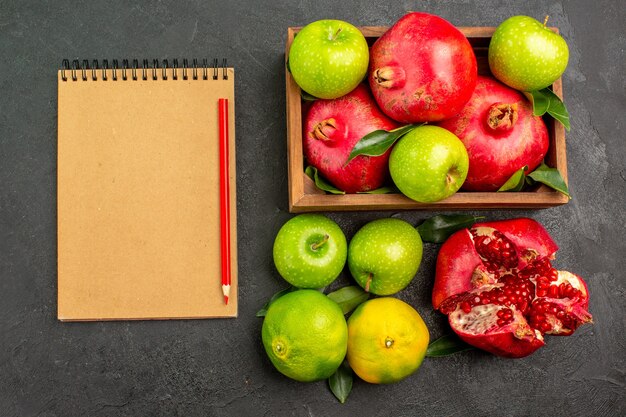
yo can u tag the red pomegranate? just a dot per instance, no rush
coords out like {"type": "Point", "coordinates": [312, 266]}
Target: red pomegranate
{"type": "Point", "coordinates": [501, 134]}
{"type": "Point", "coordinates": [500, 292]}
{"type": "Point", "coordinates": [333, 127]}
{"type": "Point", "coordinates": [422, 69]}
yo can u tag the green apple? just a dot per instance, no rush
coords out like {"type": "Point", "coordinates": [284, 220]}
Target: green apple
{"type": "Point", "coordinates": [329, 58]}
{"type": "Point", "coordinates": [310, 251]}
{"type": "Point", "coordinates": [428, 164]}
{"type": "Point", "coordinates": [384, 255]}
{"type": "Point", "coordinates": [526, 55]}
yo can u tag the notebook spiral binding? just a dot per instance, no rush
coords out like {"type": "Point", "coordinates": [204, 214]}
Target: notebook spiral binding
{"type": "Point", "coordinates": [82, 70]}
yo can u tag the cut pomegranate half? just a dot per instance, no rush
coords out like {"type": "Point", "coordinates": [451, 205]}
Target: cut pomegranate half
{"type": "Point", "coordinates": [500, 292]}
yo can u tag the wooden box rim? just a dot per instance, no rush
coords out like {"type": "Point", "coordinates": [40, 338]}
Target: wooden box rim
{"type": "Point", "coordinates": [305, 197]}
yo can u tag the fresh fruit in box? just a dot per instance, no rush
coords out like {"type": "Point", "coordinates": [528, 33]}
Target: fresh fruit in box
{"type": "Point", "coordinates": [422, 69]}
{"type": "Point", "coordinates": [333, 127]}
{"type": "Point", "coordinates": [500, 133]}
{"type": "Point", "coordinates": [428, 164]}
{"type": "Point", "coordinates": [310, 251]}
{"type": "Point", "coordinates": [384, 255]}
{"type": "Point", "coordinates": [387, 340]}
{"type": "Point", "coordinates": [305, 335]}
{"type": "Point", "coordinates": [328, 58]}
{"type": "Point", "coordinates": [500, 292]}
{"type": "Point", "coordinates": [527, 55]}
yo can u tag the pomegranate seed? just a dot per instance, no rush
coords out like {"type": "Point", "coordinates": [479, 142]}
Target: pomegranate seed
{"type": "Point", "coordinates": [553, 291]}
{"type": "Point", "coordinates": [541, 292]}
{"type": "Point", "coordinates": [523, 307]}
{"type": "Point", "coordinates": [465, 306]}
{"type": "Point", "coordinates": [490, 248]}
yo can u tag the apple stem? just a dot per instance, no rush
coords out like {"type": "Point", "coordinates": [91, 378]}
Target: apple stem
{"type": "Point", "coordinates": [451, 176]}
{"type": "Point", "coordinates": [336, 34]}
{"type": "Point", "coordinates": [545, 21]}
{"type": "Point", "coordinates": [368, 282]}
{"type": "Point", "coordinates": [321, 243]}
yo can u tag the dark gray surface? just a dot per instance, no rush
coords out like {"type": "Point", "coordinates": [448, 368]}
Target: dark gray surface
{"type": "Point", "coordinates": [218, 367]}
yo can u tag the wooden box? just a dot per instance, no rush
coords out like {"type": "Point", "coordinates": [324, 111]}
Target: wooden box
{"type": "Point", "coordinates": [304, 196]}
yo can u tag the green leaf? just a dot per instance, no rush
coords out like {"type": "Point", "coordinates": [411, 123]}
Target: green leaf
{"type": "Point", "coordinates": [306, 96]}
{"type": "Point", "coordinates": [377, 142]}
{"type": "Point", "coordinates": [262, 312]}
{"type": "Point", "coordinates": [546, 101]}
{"type": "Point", "coordinates": [550, 177]}
{"type": "Point", "coordinates": [320, 183]}
{"type": "Point", "coordinates": [539, 101]}
{"type": "Point", "coordinates": [516, 182]}
{"type": "Point", "coordinates": [438, 228]}
{"type": "Point", "coordinates": [446, 345]}
{"type": "Point", "coordinates": [340, 382]}
{"type": "Point", "coordinates": [560, 113]}
{"type": "Point", "coordinates": [381, 190]}
{"type": "Point", "coordinates": [349, 297]}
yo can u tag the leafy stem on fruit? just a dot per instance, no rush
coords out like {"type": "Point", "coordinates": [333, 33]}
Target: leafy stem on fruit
{"type": "Point", "coordinates": [378, 142]}
{"type": "Point", "coordinates": [390, 189]}
{"type": "Point", "coordinates": [349, 297]}
{"type": "Point", "coordinates": [516, 182]}
{"type": "Point", "coordinates": [545, 20]}
{"type": "Point", "coordinates": [446, 345]}
{"type": "Point", "coordinates": [263, 311]}
{"type": "Point", "coordinates": [320, 183]}
{"type": "Point", "coordinates": [306, 96]}
{"type": "Point", "coordinates": [543, 174]}
{"type": "Point", "coordinates": [546, 101]}
{"type": "Point", "coordinates": [438, 228]}
{"type": "Point", "coordinates": [340, 382]}
{"type": "Point", "coordinates": [550, 177]}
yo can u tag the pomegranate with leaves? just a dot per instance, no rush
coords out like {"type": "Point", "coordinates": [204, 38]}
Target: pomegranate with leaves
{"type": "Point", "coordinates": [422, 69]}
{"type": "Point", "coordinates": [333, 127]}
{"type": "Point", "coordinates": [497, 285]}
{"type": "Point", "coordinates": [501, 135]}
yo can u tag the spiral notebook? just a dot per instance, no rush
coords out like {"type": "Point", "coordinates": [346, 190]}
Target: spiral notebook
{"type": "Point", "coordinates": [138, 190]}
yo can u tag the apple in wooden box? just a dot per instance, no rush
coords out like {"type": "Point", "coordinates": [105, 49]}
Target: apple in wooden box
{"type": "Point", "coordinates": [304, 196]}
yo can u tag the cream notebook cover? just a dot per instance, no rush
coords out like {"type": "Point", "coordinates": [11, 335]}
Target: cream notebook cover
{"type": "Point", "coordinates": [138, 192]}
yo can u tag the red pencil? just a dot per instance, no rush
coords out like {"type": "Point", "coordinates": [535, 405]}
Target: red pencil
{"type": "Point", "coordinates": [224, 197]}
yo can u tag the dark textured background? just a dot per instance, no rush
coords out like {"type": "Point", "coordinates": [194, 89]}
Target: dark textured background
{"type": "Point", "coordinates": [218, 367]}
